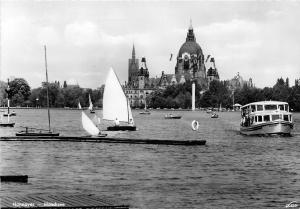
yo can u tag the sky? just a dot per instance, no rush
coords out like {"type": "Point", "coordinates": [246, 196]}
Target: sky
{"type": "Point", "coordinates": [258, 39]}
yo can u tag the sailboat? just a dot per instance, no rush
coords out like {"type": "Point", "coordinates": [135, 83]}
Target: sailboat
{"type": "Point", "coordinates": [115, 104]}
{"type": "Point", "coordinates": [35, 131]}
{"type": "Point", "coordinates": [8, 123]}
{"type": "Point", "coordinates": [79, 106]}
{"type": "Point", "coordinates": [146, 111]}
{"type": "Point", "coordinates": [90, 127]}
{"type": "Point", "coordinates": [91, 107]}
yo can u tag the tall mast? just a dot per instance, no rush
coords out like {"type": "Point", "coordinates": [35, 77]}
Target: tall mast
{"type": "Point", "coordinates": [8, 92]}
{"type": "Point", "coordinates": [127, 108]}
{"type": "Point", "coordinates": [47, 87]}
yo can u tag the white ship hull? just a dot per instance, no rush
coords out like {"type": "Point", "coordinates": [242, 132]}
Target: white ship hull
{"type": "Point", "coordinates": [274, 127]}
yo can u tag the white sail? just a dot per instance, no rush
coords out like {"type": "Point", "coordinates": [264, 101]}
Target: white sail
{"type": "Point", "coordinates": [79, 106]}
{"type": "Point", "coordinates": [130, 118]}
{"type": "Point", "coordinates": [91, 104]}
{"type": "Point", "coordinates": [115, 104]}
{"type": "Point", "coordinates": [88, 125]}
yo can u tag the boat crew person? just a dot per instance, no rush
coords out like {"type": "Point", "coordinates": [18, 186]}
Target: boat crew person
{"type": "Point", "coordinates": [117, 122]}
{"type": "Point", "coordinates": [131, 123]}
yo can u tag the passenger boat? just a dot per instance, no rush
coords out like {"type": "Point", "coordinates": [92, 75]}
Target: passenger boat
{"type": "Point", "coordinates": [266, 117]}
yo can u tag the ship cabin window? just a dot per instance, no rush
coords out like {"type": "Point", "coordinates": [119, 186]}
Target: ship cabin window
{"type": "Point", "coordinates": [276, 117]}
{"type": "Point", "coordinates": [270, 107]}
{"type": "Point", "coordinates": [259, 118]}
{"type": "Point", "coordinates": [291, 118]}
{"type": "Point", "coordinates": [266, 118]}
{"type": "Point", "coordinates": [281, 107]}
{"type": "Point", "coordinates": [252, 107]}
{"type": "Point", "coordinates": [255, 119]}
{"type": "Point", "coordinates": [286, 107]}
{"type": "Point", "coordinates": [259, 108]}
{"type": "Point", "coordinates": [286, 117]}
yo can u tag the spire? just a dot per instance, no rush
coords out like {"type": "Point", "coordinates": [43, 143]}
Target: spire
{"type": "Point", "coordinates": [191, 26]}
{"type": "Point", "coordinates": [190, 35]}
{"type": "Point", "coordinates": [133, 53]}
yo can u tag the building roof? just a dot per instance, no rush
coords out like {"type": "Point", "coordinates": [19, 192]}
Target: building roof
{"type": "Point", "coordinates": [190, 47]}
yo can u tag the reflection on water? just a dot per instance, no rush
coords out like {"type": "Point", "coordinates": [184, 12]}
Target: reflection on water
{"type": "Point", "coordinates": [232, 171]}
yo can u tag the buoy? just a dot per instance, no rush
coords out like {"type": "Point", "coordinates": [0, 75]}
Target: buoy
{"type": "Point", "coordinates": [195, 125]}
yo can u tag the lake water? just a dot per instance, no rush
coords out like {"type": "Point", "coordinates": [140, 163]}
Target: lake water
{"type": "Point", "coordinates": [231, 171]}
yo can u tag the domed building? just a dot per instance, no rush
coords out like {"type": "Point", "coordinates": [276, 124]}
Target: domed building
{"type": "Point", "coordinates": [190, 60]}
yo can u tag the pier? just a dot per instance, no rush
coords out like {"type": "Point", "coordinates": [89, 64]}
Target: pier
{"type": "Point", "coordinates": [102, 140]}
{"type": "Point", "coordinates": [77, 201]}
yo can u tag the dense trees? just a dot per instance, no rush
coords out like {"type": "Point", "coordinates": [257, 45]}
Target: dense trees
{"type": "Point", "coordinates": [219, 94]}
{"type": "Point", "coordinates": [65, 96]}
{"type": "Point", "coordinates": [19, 91]}
{"type": "Point", "coordinates": [175, 96]}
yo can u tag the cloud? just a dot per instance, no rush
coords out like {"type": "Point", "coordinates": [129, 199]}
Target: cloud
{"type": "Point", "coordinates": [88, 33]}
{"type": "Point", "coordinates": [82, 34]}
{"type": "Point", "coordinates": [48, 35]}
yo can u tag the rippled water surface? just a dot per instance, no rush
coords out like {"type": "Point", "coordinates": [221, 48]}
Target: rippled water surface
{"type": "Point", "coordinates": [231, 171]}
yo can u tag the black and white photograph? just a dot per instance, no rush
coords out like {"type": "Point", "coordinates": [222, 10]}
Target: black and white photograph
{"type": "Point", "coordinates": [149, 104]}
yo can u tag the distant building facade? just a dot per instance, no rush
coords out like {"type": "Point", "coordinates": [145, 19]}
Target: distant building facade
{"type": "Point", "coordinates": [190, 65]}
{"type": "Point", "coordinates": [238, 82]}
{"type": "Point", "coordinates": [138, 86]}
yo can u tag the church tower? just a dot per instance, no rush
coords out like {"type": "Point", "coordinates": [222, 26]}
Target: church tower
{"type": "Point", "coordinates": [133, 70]}
{"type": "Point", "coordinates": [143, 75]}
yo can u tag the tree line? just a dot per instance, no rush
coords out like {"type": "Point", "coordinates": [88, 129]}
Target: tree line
{"type": "Point", "coordinates": [221, 94]}
{"type": "Point", "coordinates": [176, 96]}
{"type": "Point", "coordinates": [59, 96]}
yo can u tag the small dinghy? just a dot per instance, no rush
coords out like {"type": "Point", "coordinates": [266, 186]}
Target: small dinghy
{"type": "Point", "coordinates": [91, 107]}
{"type": "Point", "coordinates": [90, 127]}
{"type": "Point", "coordinates": [146, 111]}
{"type": "Point", "coordinates": [36, 131]}
{"type": "Point", "coordinates": [171, 116]}
{"type": "Point", "coordinates": [214, 115]}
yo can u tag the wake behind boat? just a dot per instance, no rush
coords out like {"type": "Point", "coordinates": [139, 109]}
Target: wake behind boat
{"type": "Point", "coordinates": [116, 106]}
{"type": "Point", "coordinates": [267, 117]}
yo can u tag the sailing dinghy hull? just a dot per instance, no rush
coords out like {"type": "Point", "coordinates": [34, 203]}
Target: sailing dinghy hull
{"type": "Point", "coordinates": [121, 128]}
{"type": "Point", "coordinates": [24, 133]}
{"type": "Point", "coordinates": [7, 124]}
